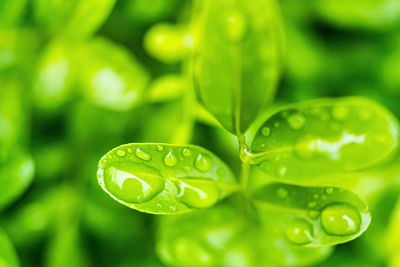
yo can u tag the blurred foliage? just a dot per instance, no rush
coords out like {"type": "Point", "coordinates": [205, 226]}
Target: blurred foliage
{"type": "Point", "coordinates": [80, 77]}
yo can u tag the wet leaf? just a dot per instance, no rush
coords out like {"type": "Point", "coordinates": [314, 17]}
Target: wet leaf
{"type": "Point", "coordinates": [304, 141]}
{"type": "Point", "coordinates": [165, 179]}
{"type": "Point", "coordinates": [313, 216]}
{"type": "Point", "coordinates": [237, 67]}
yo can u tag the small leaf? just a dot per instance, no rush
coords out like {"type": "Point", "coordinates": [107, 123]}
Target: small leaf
{"type": "Point", "coordinates": [73, 19]}
{"type": "Point", "coordinates": [110, 75]}
{"type": "Point", "coordinates": [185, 240]}
{"type": "Point", "coordinates": [313, 216]}
{"type": "Point", "coordinates": [8, 255]}
{"type": "Point", "coordinates": [16, 175]}
{"type": "Point", "coordinates": [237, 67]}
{"type": "Point", "coordinates": [325, 137]}
{"type": "Point", "coordinates": [165, 179]}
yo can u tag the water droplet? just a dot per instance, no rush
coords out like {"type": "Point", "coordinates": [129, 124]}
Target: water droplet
{"type": "Point", "coordinates": [340, 220]}
{"type": "Point", "coordinates": [121, 153]}
{"type": "Point", "coordinates": [221, 172]}
{"type": "Point", "coordinates": [122, 182]}
{"type": "Point", "coordinates": [277, 124]}
{"type": "Point", "coordinates": [186, 152]}
{"type": "Point", "coordinates": [299, 232]}
{"type": "Point", "coordinates": [160, 148]}
{"type": "Point", "coordinates": [203, 163]}
{"type": "Point", "coordinates": [142, 155]}
{"type": "Point", "coordinates": [340, 113]}
{"type": "Point", "coordinates": [284, 114]}
{"type": "Point", "coordinates": [197, 194]}
{"type": "Point", "coordinates": [266, 131]}
{"type": "Point", "coordinates": [172, 208]}
{"type": "Point", "coordinates": [312, 204]}
{"type": "Point", "coordinates": [187, 168]}
{"type": "Point", "coordinates": [282, 192]}
{"type": "Point", "coordinates": [315, 196]}
{"type": "Point", "coordinates": [296, 121]}
{"type": "Point", "coordinates": [129, 150]}
{"type": "Point", "coordinates": [235, 25]}
{"type": "Point", "coordinates": [329, 190]}
{"type": "Point", "coordinates": [364, 114]}
{"type": "Point", "coordinates": [262, 145]}
{"type": "Point", "coordinates": [282, 171]}
{"type": "Point", "coordinates": [313, 214]}
{"type": "Point", "coordinates": [170, 159]}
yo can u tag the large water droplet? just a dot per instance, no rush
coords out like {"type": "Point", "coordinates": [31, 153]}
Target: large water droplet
{"type": "Point", "coordinates": [235, 25]}
{"type": "Point", "coordinates": [142, 155]}
{"type": "Point", "coordinates": [197, 194]}
{"type": "Point", "coordinates": [170, 159]}
{"type": "Point", "coordinates": [340, 113]}
{"type": "Point", "coordinates": [340, 220]}
{"type": "Point", "coordinates": [266, 131]}
{"type": "Point", "coordinates": [299, 232]}
{"type": "Point", "coordinates": [296, 121]}
{"type": "Point", "coordinates": [203, 163]}
{"type": "Point", "coordinates": [122, 182]}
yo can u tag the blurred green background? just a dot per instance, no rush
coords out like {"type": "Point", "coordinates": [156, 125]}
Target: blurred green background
{"type": "Point", "coordinates": [80, 77]}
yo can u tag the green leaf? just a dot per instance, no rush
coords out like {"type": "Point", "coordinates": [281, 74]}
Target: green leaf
{"type": "Point", "coordinates": [312, 216]}
{"type": "Point", "coordinates": [237, 68]}
{"type": "Point", "coordinates": [186, 240]}
{"type": "Point", "coordinates": [72, 19]}
{"type": "Point", "coordinates": [165, 179]}
{"type": "Point", "coordinates": [8, 255]}
{"type": "Point", "coordinates": [16, 175]}
{"type": "Point", "coordinates": [11, 12]}
{"type": "Point", "coordinates": [169, 43]}
{"type": "Point", "coordinates": [110, 75]}
{"type": "Point", "coordinates": [55, 76]}
{"type": "Point", "coordinates": [166, 88]}
{"type": "Point", "coordinates": [325, 137]}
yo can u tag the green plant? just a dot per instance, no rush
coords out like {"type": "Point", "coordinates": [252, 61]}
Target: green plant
{"type": "Point", "coordinates": [294, 198]}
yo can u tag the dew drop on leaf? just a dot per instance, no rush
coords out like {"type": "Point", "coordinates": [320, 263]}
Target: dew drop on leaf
{"type": "Point", "coordinates": [266, 131]}
{"type": "Point", "coordinates": [186, 152]}
{"type": "Point", "coordinates": [282, 193]}
{"type": "Point", "coordinates": [340, 113]}
{"type": "Point", "coordinates": [142, 155]}
{"type": "Point", "coordinates": [160, 148]}
{"type": "Point", "coordinates": [121, 153]}
{"type": "Point", "coordinates": [235, 25]}
{"type": "Point", "coordinates": [125, 185]}
{"type": "Point", "coordinates": [296, 121]}
{"type": "Point", "coordinates": [340, 220]}
{"type": "Point", "coordinates": [299, 232]}
{"type": "Point", "coordinates": [197, 194]}
{"type": "Point", "coordinates": [203, 163]}
{"type": "Point", "coordinates": [170, 159]}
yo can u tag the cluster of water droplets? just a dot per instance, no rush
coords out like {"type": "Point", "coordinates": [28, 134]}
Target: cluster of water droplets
{"type": "Point", "coordinates": [338, 219]}
{"type": "Point", "coordinates": [144, 183]}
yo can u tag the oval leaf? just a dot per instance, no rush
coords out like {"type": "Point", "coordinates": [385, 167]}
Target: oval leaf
{"type": "Point", "coordinates": [8, 255]}
{"type": "Point", "coordinates": [165, 179]}
{"type": "Point", "coordinates": [185, 240]}
{"type": "Point", "coordinates": [74, 19]}
{"type": "Point", "coordinates": [110, 75]}
{"type": "Point", "coordinates": [16, 175]}
{"type": "Point", "coordinates": [236, 69]}
{"type": "Point", "coordinates": [325, 137]}
{"type": "Point", "coordinates": [313, 216]}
